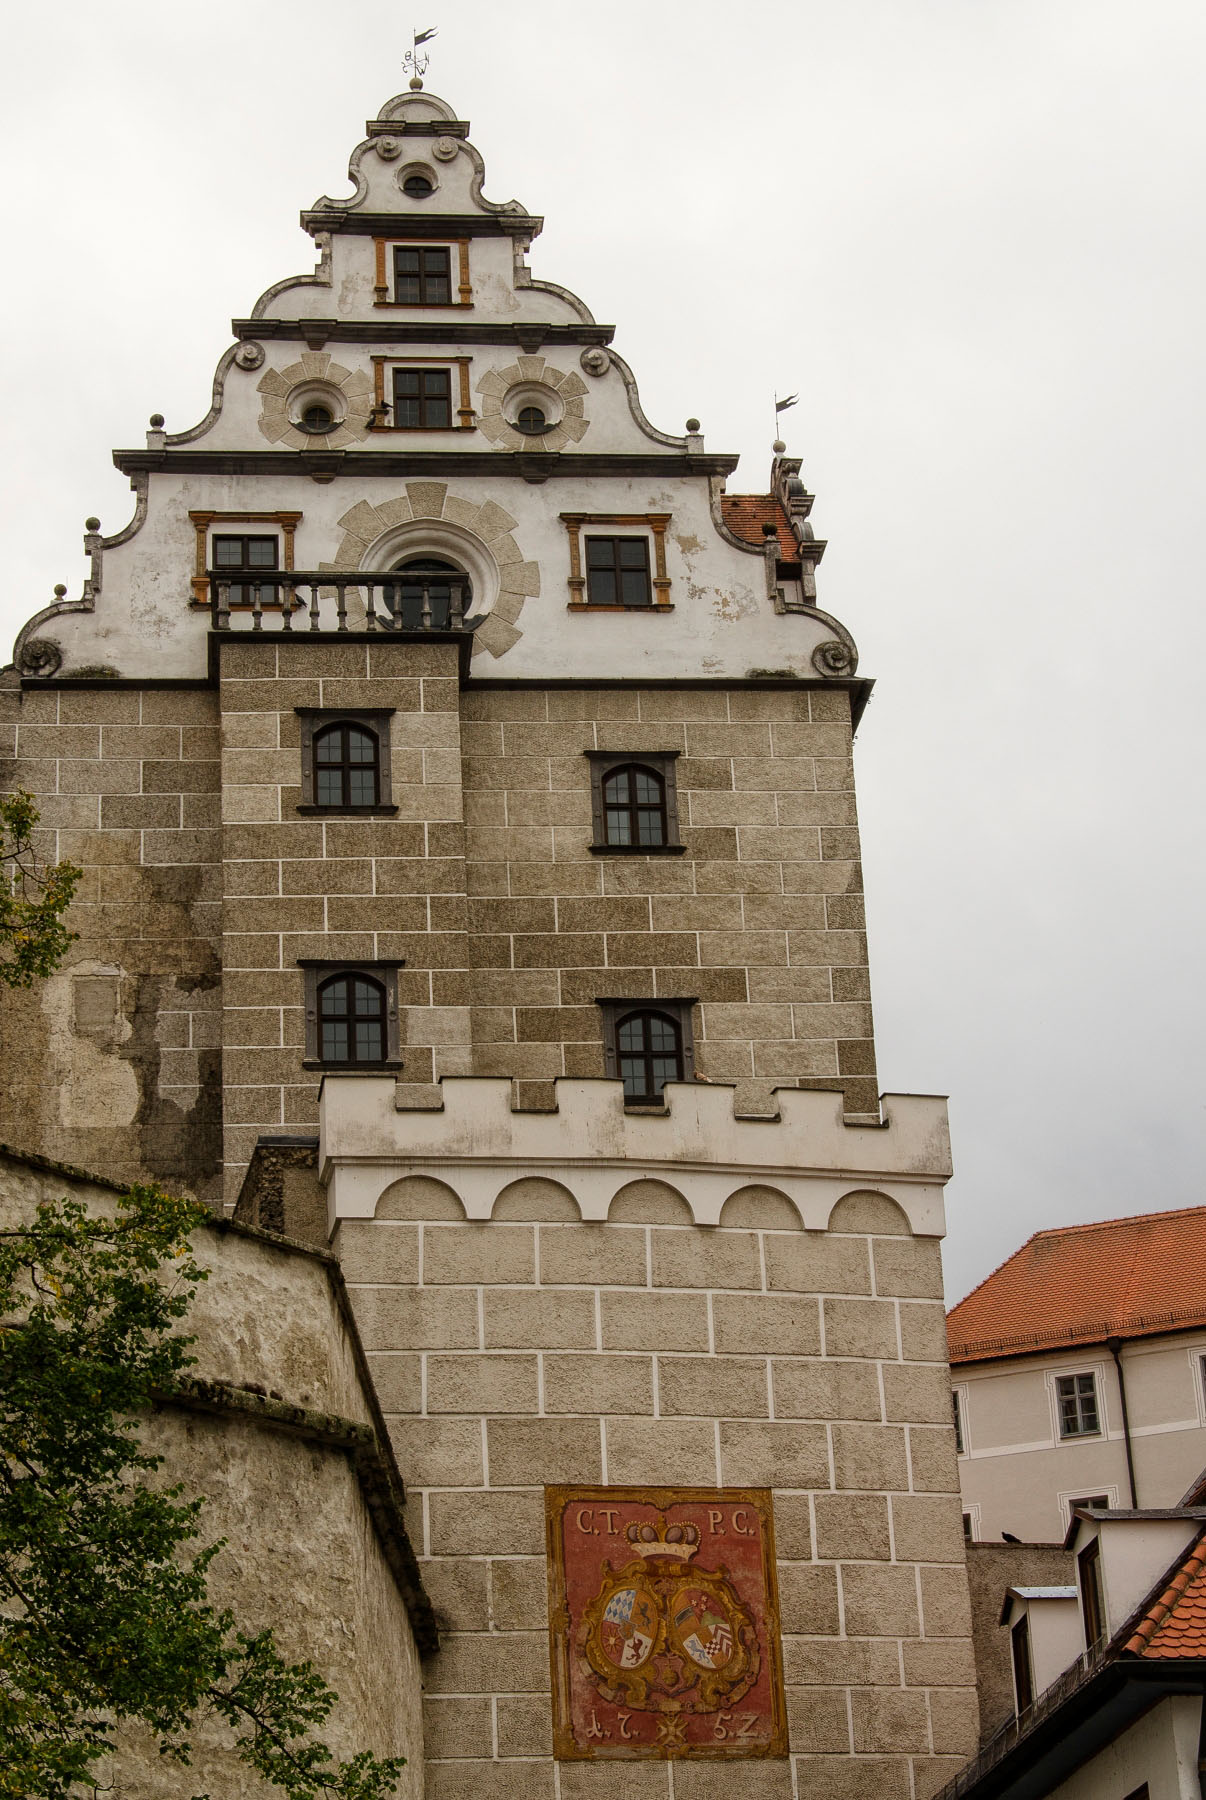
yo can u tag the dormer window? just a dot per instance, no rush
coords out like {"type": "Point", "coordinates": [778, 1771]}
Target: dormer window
{"type": "Point", "coordinates": [422, 276]}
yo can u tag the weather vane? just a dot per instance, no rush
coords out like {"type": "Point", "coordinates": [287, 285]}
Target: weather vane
{"type": "Point", "coordinates": [418, 65]}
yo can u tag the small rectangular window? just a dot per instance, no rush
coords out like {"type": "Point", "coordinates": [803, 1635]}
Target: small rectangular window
{"type": "Point", "coordinates": [617, 571]}
{"type": "Point", "coordinates": [1092, 1500]}
{"type": "Point", "coordinates": [242, 550]}
{"type": "Point", "coordinates": [1092, 1607]}
{"type": "Point", "coordinates": [1076, 1396]}
{"type": "Point", "coordinates": [423, 399]}
{"type": "Point", "coordinates": [422, 276]}
{"type": "Point", "coordinates": [1023, 1678]}
{"type": "Point", "coordinates": [345, 761]}
{"type": "Point", "coordinates": [648, 1043]}
{"type": "Point", "coordinates": [634, 803]}
{"type": "Point", "coordinates": [352, 1016]}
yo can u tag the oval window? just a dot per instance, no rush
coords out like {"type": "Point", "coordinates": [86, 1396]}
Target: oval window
{"type": "Point", "coordinates": [316, 417]}
{"type": "Point", "coordinates": [417, 186]}
{"type": "Point", "coordinates": [531, 421]}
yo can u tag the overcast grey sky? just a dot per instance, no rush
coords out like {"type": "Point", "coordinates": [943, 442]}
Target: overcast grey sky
{"type": "Point", "coordinates": [969, 232]}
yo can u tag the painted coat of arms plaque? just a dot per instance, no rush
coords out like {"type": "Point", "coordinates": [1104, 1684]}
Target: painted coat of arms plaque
{"type": "Point", "coordinates": [664, 1623]}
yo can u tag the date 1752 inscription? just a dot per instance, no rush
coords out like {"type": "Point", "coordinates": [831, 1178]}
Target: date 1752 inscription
{"type": "Point", "coordinates": [664, 1623]}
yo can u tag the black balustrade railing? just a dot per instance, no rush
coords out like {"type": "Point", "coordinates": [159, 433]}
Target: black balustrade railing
{"type": "Point", "coordinates": [299, 600]}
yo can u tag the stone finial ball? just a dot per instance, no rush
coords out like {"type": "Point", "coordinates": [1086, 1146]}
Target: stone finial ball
{"type": "Point", "coordinates": [156, 421]}
{"type": "Point", "coordinates": [92, 524]}
{"type": "Point", "coordinates": [60, 589]}
{"type": "Point", "coordinates": [778, 446]}
{"type": "Point", "coordinates": [692, 424]}
{"type": "Point", "coordinates": [415, 84]}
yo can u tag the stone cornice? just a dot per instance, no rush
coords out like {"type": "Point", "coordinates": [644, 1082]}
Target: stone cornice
{"type": "Point", "coordinates": [528, 336]}
{"type": "Point", "coordinates": [422, 225]}
{"type": "Point", "coordinates": [325, 465]}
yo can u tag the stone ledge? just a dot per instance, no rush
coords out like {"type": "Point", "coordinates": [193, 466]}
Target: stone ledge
{"type": "Point", "coordinates": [478, 1143]}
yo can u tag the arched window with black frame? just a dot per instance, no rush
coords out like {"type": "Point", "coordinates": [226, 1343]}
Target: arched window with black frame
{"type": "Point", "coordinates": [634, 807]}
{"type": "Point", "coordinates": [352, 1021]}
{"type": "Point", "coordinates": [649, 1053]}
{"type": "Point", "coordinates": [347, 766]}
{"type": "Point", "coordinates": [423, 598]}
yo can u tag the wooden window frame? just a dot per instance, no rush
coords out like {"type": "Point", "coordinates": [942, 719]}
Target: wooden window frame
{"type": "Point", "coordinates": [202, 522]}
{"type": "Point", "coordinates": [598, 524]}
{"type": "Point", "coordinates": [1079, 1431]}
{"type": "Point", "coordinates": [461, 401]}
{"type": "Point", "coordinates": [615, 1011]}
{"type": "Point", "coordinates": [661, 762]}
{"type": "Point", "coordinates": [316, 974]}
{"type": "Point", "coordinates": [1022, 1662]}
{"type": "Point", "coordinates": [458, 270]}
{"type": "Point", "coordinates": [614, 570]}
{"type": "Point", "coordinates": [1092, 1596]}
{"type": "Point", "coordinates": [315, 719]}
{"type": "Point", "coordinates": [957, 1421]}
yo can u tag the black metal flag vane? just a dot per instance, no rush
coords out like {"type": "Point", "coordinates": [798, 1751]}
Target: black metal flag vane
{"type": "Point", "coordinates": [416, 63]}
{"type": "Point", "coordinates": [782, 406]}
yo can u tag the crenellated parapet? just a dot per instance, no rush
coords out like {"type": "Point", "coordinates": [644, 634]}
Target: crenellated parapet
{"type": "Point", "coordinates": [470, 1137]}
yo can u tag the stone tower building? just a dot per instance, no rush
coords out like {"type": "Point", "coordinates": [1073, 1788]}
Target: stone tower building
{"type": "Point", "coordinates": [462, 780]}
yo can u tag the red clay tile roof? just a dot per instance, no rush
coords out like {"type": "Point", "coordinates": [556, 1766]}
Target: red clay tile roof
{"type": "Point", "coordinates": [1175, 1624]}
{"type": "Point", "coordinates": [746, 514]}
{"type": "Point", "coordinates": [1082, 1284]}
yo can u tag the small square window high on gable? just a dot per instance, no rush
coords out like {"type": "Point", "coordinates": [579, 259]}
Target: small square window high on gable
{"type": "Point", "coordinates": [422, 276]}
{"type": "Point", "coordinates": [410, 273]}
{"type": "Point", "coordinates": [422, 399]}
{"type": "Point", "coordinates": [617, 571]}
{"type": "Point", "coordinates": [247, 551]}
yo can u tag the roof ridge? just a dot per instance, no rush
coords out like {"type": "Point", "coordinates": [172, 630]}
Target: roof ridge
{"type": "Point", "coordinates": [1168, 1212]}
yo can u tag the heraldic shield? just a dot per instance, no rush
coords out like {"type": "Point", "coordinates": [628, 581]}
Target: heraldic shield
{"type": "Point", "coordinates": [665, 1638]}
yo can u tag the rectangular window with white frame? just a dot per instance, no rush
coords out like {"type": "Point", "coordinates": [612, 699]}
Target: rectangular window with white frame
{"type": "Point", "coordinates": [1076, 1405]}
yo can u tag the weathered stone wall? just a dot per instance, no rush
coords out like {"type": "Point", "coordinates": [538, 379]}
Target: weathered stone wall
{"type": "Point", "coordinates": [115, 1061]}
{"type": "Point", "coordinates": [761, 917]}
{"type": "Point", "coordinates": [991, 1569]}
{"type": "Point", "coordinates": [338, 889]}
{"type": "Point", "coordinates": [176, 1019]}
{"type": "Point", "coordinates": [281, 1437]}
{"type": "Point", "coordinates": [533, 1349]}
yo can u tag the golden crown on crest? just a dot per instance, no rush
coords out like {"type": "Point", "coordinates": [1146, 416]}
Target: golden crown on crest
{"type": "Point", "coordinates": [677, 1541]}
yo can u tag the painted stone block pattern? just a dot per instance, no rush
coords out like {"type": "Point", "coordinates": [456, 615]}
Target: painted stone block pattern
{"type": "Point", "coordinates": [645, 1353]}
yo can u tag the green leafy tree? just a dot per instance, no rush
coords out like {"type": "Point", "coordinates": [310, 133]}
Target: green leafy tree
{"type": "Point", "coordinates": [33, 898]}
{"type": "Point", "coordinates": [104, 1615]}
